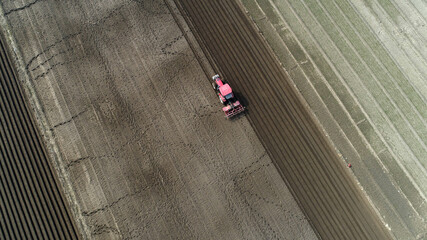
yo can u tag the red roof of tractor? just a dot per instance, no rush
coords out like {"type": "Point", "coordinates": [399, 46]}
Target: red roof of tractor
{"type": "Point", "coordinates": [225, 89]}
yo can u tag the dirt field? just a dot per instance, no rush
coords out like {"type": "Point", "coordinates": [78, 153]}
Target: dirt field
{"type": "Point", "coordinates": [311, 166]}
{"type": "Point", "coordinates": [359, 66]}
{"type": "Point", "coordinates": [31, 203]}
{"type": "Point", "coordinates": [135, 130]}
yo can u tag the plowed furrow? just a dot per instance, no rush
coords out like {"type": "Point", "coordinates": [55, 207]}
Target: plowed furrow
{"type": "Point", "coordinates": [31, 205]}
{"type": "Point", "coordinates": [307, 162]}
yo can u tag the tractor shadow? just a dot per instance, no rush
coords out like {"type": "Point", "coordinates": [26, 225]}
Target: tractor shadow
{"type": "Point", "coordinates": [245, 104]}
{"type": "Point", "coordinates": [242, 99]}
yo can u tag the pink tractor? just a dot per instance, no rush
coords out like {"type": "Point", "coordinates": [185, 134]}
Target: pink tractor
{"type": "Point", "coordinates": [226, 97]}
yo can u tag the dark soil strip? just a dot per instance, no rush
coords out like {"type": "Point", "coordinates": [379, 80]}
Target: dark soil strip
{"type": "Point", "coordinates": [309, 165]}
{"type": "Point", "coordinates": [31, 203]}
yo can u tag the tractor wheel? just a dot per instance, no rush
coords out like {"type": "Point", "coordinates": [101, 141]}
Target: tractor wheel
{"type": "Point", "coordinates": [220, 99]}
{"type": "Point", "coordinates": [214, 85]}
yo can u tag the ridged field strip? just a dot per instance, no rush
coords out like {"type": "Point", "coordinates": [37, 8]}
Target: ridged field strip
{"type": "Point", "coordinates": [31, 203]}
{"type": "Point", "coordinates": [311, 167]}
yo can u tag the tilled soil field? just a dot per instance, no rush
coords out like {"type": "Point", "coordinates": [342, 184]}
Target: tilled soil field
{"type": "Point", "coordinates": [31, 203]}
{"type": "Point", "coordinates": [135, 130]}
{"type": "Point", "coordinates": [308, 163]}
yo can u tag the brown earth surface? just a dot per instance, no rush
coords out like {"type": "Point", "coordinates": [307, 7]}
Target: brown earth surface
{"type": "Point", "coordinates": [135, 131]}
{"type": "Point", "coordinates": [320, 181]}
{"type": "Point", "coordinates": [31, 203]}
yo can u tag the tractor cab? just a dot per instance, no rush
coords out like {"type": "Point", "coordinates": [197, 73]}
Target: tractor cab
{"type": "Point", "coordinates": [225, 93]}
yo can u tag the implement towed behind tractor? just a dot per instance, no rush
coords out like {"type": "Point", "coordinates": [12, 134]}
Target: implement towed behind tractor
{"type": "Point", "coordinates": [226, 96]}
